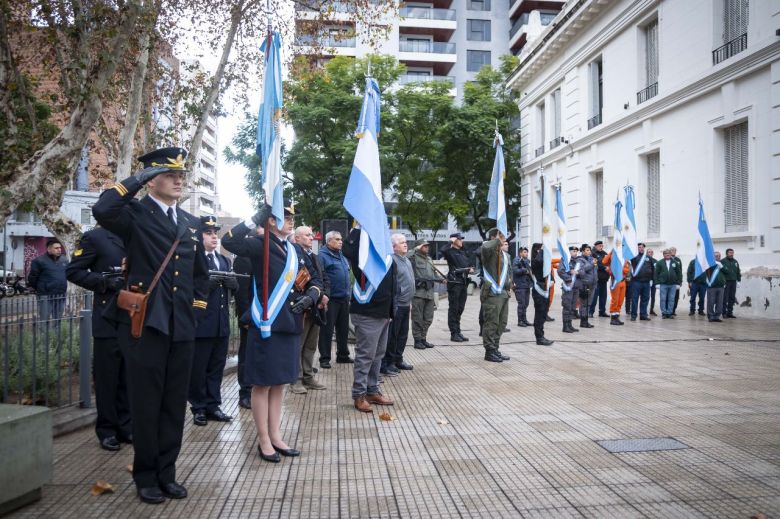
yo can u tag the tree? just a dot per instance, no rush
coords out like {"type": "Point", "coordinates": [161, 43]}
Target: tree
{"type": "Point", "coordinates": [468, 148]}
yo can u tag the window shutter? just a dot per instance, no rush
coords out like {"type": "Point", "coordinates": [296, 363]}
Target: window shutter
{"type": "Point", "coordinates": [735, 19]}
{"type": "Point", "coordinates": [651, 50]}
{"type": "Point", "coordinates": [653, 195]}
{"type": "Point", "coordinates": [594, 89]}
{"type": "Point", "coordinates": [599, 178]}
{"type": "Point", "coordinates": [542, 124]}
{"type": "Point", "coordinates": [736, 181]}
{"type": "Point", "coordinates": [557, 114]}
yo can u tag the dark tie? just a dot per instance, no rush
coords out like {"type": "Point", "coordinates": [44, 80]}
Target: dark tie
{"type": "Point", "coordinates": [170, 215]}
{"type": "Point", "coordinates": [212, 262]}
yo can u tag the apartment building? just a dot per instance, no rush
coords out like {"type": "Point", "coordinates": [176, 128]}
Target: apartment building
{"type": "Point", "coordinates": [675, 98]}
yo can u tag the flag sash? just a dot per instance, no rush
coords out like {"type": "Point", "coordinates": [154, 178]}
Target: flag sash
{"type": "Point", "coordinates": [497, 288]}
{"type": "Point", "coordinates": [364, 295]}
{"type": "Point", "coordinates": [278, 297]}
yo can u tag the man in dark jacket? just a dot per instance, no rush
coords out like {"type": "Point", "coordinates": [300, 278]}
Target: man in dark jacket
{"type": "Point", "coordinates": [47, 277]}
{"type": "Point", "coordinates": [158, 363]}
{"type": "Point", "coordinates": [521, 276]}
{"type": "Point", "coordinates": [96, 265]}
{"type": "Point", "coordinates": [539, 294]}
{"type": "Point", "coordinates": [311, 318]}
{"type": "Point", "coordinates": [213, 333]}
{"type": "Point", "coordinates": [733, 276]}
{"type": "Point", "coordinates": [716, 284]}
{"type": "Point", "coordinates": [697, 287]}
{"type": "Point", "coordinates": [371, 310]}
{"type": "Point", "coordinates": [667, 279]}
{"type": "Point", "coordinates": [458, 272]}
{"type": "Point", "coordinates": [602, 278]}
{"type": "Point", "coordinates": [641, 277]}
{"type": "Point", "coordinates": [336, 269]}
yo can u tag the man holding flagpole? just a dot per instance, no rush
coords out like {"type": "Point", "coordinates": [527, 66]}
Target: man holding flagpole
{"type": "Point", "coordinates": [369, 252]}
{"type": "Point", "coordinates": [707, 262]}
{"type": "Point", "coordinates": [541, 270]}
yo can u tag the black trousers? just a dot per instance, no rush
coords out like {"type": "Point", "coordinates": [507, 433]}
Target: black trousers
{"type": "Point", "coordinates": [244, 389]}
{"type": "Point", "coordinates": [397, 336]}
{"type": "Point", "coordinates": [523, 296]}
{"type": "Point", "coordinates": [730, 297]}
{"type": "Point", "coordinates": [108, 372]}
{"type": "Point", "coordinates": [601, 297]}
{"type": "Point", "coordinates": [338, 319]}
{"type": "Point", "coordinates": [676, 300]}
{"type": "Point", "coordinates": [158, 376]}
{"type": "Point", "coordinates": [541, 304]}
{"type": "Point", "coordinates": [208, 364]}
{"type": "Point", "coordinates": [652, 297]}
{"type": "Point", "coordinates": [629, 297]}
{"type": "Point", "coordinates": [456, 296]}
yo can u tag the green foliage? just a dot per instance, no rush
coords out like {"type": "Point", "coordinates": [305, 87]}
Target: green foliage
{"type": "Point", "coordinates": [437, 156]}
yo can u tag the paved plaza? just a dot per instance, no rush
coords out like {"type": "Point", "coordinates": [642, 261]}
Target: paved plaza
{"type": "Point", "coordinates": [477, 439]}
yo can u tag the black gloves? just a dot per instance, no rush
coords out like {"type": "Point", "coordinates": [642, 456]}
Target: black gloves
{"type": "Point", "coordinates": [230, 283]}
{"type": "Point", "coordinates": [149, 173]}
{"type": "Point", "coordinates": [262, 215]}
{"type": "Point", "coordinates": [301, 304]}
{"type": "Point", "coordinates": [113, 283]}
{"type": "Point", "coordinates": [214, 283]}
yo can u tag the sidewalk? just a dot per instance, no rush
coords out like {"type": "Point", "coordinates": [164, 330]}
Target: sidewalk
{"type": "Point", "coordinates": [477, 439]}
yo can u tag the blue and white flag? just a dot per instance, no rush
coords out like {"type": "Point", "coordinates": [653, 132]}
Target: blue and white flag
{"type": "Point", "coordinates": [563, 244]}
{"type": "Point", "coordinates": [269, 140]}
{"type": "Point", "coordinates": [705, 252]}
{"type": "Point", "coordinates": [547, 236]}
{"type": "Point", "coordinates": [496, 198]}
{"type": "Point", "coordinates": [630, 242]}
{"type": "Point", "coordinates": [363, 199]}
{"type": "Point", "coordinates": [617, 260]}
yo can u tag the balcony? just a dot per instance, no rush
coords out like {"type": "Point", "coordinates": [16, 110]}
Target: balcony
{"type": "Point", "coordinates": [521, 6]}
{"type": "Point", "coordinates": [539, 151]}
{"type": "Point", "coordinates": [424, 21]}
{"type": "Point", "coordinates": [437, 56]}
{"type": "Point", "coordinates": [426, 47]}
{"type": "Point", "coordinates": [647, 93]}
{"type": "Point", "coordinates": [730, 49]}
{"type": "Point", "coordinates": [411, 79]}
{"type": "Point", "coordinates": [326, 45]}
{"type": "Point", "coordinates": [423, 13]}
{"type": "Point", "coordinates": [555, 142]}
{"type": "Point", "coordinates": [527, 27]}
{"type": "Point", "coordinates": [594, 121]}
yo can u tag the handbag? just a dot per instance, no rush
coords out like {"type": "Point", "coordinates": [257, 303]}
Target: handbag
{"type": "Point", "coordinates": [134, 300]}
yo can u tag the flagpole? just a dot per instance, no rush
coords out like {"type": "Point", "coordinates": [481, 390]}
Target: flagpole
{"type": "Point", "coordinates": [267, 230]}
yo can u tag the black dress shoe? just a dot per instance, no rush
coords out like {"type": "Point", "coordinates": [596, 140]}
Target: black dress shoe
{"type": "Point", "coordinates": [603, 314]}
{"type": "Point", "coordinates": [245, 402]}
{"type": "Point", "coordinates": [325, 364]}
{"type": "Point", "coordinates": [110, 444]}
{"type": "Point", "coordinates": [218, 416]}
{"type": "Point", "coordinates": [199, 418]}
{"type": "Point", "coordinates": [643, 318]}
{"type": "Point", "coordinates": [522, 324]}
{"type": "Point", "coordinates": [691, 313]}
{"type": "Point", "coordinates": [464, 339]}
{"type": "Point", "coordinates": [173, 490]}
{"type": "Point", "coordinates": [151, 495]}
{"type": "Point", "coordinates": [292, 453]}
{"type": "Point", "coordinates": [507, 330]}
{"type": "Point", "coordinates": [428, 344]}
{"type": "Point", "coordinates": [273, 458]}
{"type": "Point", "coordinates": [549, 319]}
{"type": "Point", "coordinates": [542, 341]}
{"type": "Point", "coordinates": [493, 357]}
{"type": "Point", "coordinates": [455, 338]}
{"type": "Point", "coordinates": [404, 365]}
{"type": "Point", "coordinates": [345, 360]}
{"type": "Point", "coordinates": [503, 357]}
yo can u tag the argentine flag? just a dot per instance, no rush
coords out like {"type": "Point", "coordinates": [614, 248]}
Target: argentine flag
{"type": "Point", "coordinates": [563, 244]}
{"type": "Point", "coordinates": [363, 199]}
{"type": "Point", "coordinates": [630, 247]}
{"type": "Point", "coordinates": [496, 198]}
{"type": "Point", "coordinates": [269, 140]}
{"type": "Point", "coordinates": [617, 260]}
{"type": "Point", "coordinates": [547, 237]}
{"type": "Point", "coordinates": [705, 252]}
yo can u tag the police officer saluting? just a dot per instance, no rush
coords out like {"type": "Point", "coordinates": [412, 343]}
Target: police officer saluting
{"type": "Point", "coordinates": [212, 334]}
{"type": "Point", "coordinates": [166, 264]}
{"type": "Point", "coordinates": [96, 265]}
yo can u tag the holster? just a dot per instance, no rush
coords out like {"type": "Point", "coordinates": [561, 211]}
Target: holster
{"type": "Point", "coordinates": [135, 304]}
{"type": "Point", "coordinates": [302, 279]}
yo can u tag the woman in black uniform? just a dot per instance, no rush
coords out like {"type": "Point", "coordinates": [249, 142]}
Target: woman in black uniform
{"type": "Point", "coordinates": [274, 345]}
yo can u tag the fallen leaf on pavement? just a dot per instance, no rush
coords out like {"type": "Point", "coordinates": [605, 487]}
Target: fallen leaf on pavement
{"type": "Point", "coordinates": [442, 421]}
{"type": "Point", "coordinates": [386, 417]}
{"type": "Point", "coordinates": [130, 468]}
{"type": "Point", "coordinates": [101, 487]}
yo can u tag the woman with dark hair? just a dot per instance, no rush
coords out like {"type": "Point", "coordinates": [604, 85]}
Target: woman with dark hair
{"type": "Point", "coordinates": [539, 294]}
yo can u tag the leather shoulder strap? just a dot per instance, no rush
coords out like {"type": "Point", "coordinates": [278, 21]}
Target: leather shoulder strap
{"type": "Point", "coordinates": [162, 266]}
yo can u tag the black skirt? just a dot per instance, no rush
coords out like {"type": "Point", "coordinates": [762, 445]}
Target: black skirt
{"type": "Point", "coordinates": [272, 361]}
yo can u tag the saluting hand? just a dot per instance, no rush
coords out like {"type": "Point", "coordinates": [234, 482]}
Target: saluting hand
{"type": "Point", "coordinates": [149, 173]}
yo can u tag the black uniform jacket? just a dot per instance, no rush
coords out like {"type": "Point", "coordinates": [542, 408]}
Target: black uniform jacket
{"type": "Point", "coordinates": [382, 303]}
{"type": "Point", "coordinates": [215, 321]}
{"type": "Point", "coordinates": [236, 242]}
{"type": "Point", "coordinates": [148, 235]}
{"type": "Point", "coordinates": [98, 251]}
{"type": "Point", "coordinates": [243, 295]}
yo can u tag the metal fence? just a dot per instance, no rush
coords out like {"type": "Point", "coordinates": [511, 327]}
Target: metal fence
{"type": "Point", "coordinates": [46, 349]}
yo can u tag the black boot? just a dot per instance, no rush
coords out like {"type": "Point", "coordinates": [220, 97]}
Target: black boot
{"type": "Point", "coordinates": [566, 327]}
{"type": "Point", "coordinates": [419, 345]}
{"type": "Point", "coordinates": [616, 320]}
{"type": "Point", "coordinates": [584, 323]}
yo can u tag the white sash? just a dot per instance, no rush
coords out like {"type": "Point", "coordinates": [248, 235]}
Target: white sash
{"type": "Point", "coordinates": [497, 288]}
{"type": "Point", "coordinates": [715, 273]}
{"type": "Point", "coordinates": [278, 297]}
{"type": "Point", "coordinates": [364, 296]}
{"type": "Point", "coordinates": [538, 289]}
{"type": "Point", "coordinates": [573, 278]}
{"type": "Point", "coordinates": [634, 272]}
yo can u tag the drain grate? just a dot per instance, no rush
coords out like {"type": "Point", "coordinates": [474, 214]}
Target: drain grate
{"type": "Point", "coordinates": [642, 444]}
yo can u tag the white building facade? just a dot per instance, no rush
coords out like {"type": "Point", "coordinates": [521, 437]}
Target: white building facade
{"type": "Point", "coordinates": [677, 98]}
